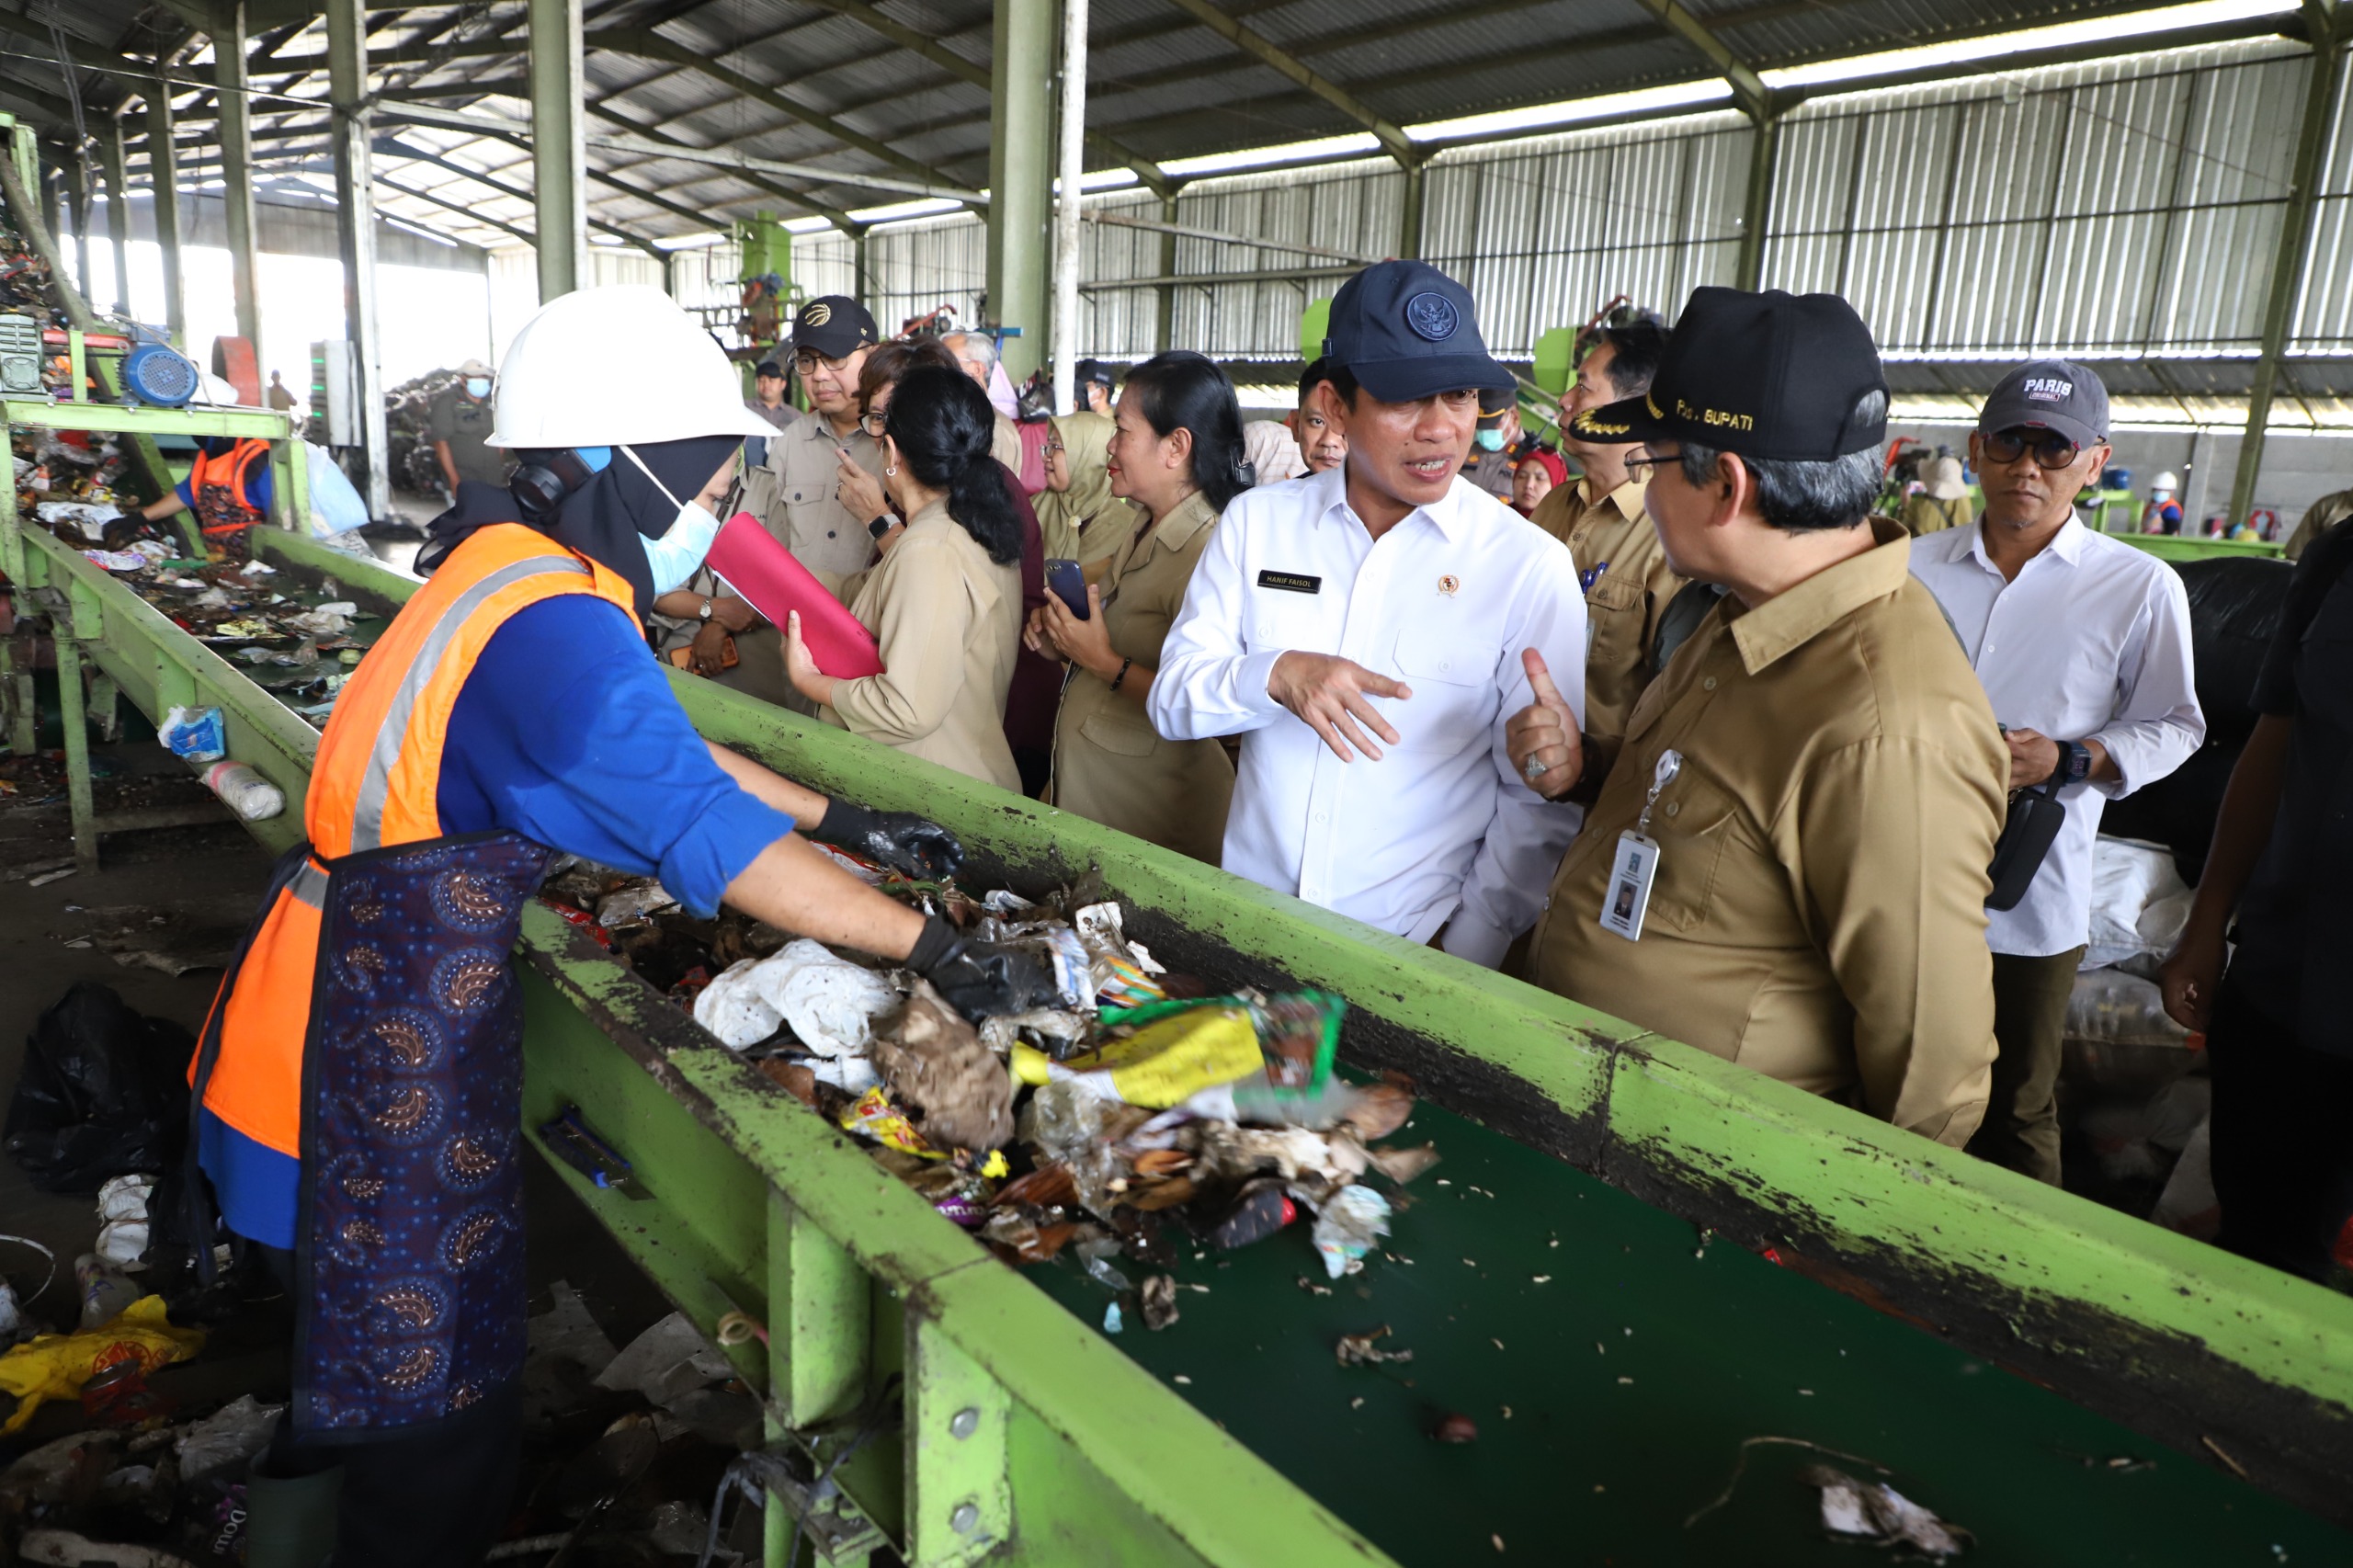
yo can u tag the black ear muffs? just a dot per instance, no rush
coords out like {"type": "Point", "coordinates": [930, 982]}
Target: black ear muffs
{"type": "Point", "coordinates": [545, 481]}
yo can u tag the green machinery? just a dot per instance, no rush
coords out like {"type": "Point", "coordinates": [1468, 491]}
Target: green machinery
{"type": "Point", "coordinates": [1617, 1271]}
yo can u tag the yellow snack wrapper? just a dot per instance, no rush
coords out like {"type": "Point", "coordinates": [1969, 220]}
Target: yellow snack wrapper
{"type": "Point", "coordinates": [55, 1365]}
{"type": "Point", "coordinates": [875, 1116]}
{"type": "Point", "coordinates": [1167, 1061]}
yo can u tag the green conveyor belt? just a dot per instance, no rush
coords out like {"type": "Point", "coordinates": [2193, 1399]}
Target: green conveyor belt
{"type": "Point", "coordinates": [1724, 1346]}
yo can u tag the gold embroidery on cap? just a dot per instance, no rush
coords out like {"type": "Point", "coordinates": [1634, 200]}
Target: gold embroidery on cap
{"type": "Point", "coordinates": [817, 314]}
{"type": "Point", "coordinates": [1585, 424]}
{"type": "Point", "coordinates": [1716, 416]}
{"type": "Point", "coordinates": [1652, 403]}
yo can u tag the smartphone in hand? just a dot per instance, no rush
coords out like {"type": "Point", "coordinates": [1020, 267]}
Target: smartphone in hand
{"type": "Point", "coordinates": [1069, 584]}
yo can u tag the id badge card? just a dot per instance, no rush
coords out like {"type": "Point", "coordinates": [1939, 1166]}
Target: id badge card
{"type": "Point", "coordinates": [1626, 897]}
{"type": "Point", "coordinates": [1629, 898]}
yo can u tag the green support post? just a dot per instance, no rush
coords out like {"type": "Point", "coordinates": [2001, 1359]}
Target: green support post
{"type": "Point", "coordinates": [163, 179]}
{"type": "Point", "coordinates": [110, 153]}
{"type": "Point", "coordinates": [959, 1492]}
{"type": "Point", "coordinates": [1409, 213]}
{"type": "Point", "coordinates": [559, 157]}
{"type": "Point", "coordinates": [229, 46]}
{"type": "Point", "coordinates": [1164, 336]}
{"type": "Point", "coordinates": [1756, 208]}
{"type": "Point", "coordinates": [1022, 123]}
{"type": "Point", "coordinates": [2295, 242]}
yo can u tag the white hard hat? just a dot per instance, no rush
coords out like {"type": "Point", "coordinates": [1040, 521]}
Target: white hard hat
{"type": "Point", "coordinates": [617, 366]}
{"type": "Point", "coordinates": [2166, 482]}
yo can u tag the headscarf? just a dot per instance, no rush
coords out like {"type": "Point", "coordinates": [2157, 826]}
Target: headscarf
{"type": "Point", "coordinates": [1087, 453]}
{"type": "Point", "coordinates": [603, 519]}
{"type": "Point", "coordinates": [1273, 452]}
{"type": "Point", "coordinates": [1552, 464]}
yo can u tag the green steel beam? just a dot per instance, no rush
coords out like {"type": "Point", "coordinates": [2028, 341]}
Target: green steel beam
{"type": "Point", "coordinates": [2322, 88]}
{"type": "Point", "coordinates": [1392, 138]}
{"type": "Point", "coordinates": [354, 190]}
{"type": "Point", "coordinates": [558, 156]}
{"type": "Point", "coordinates": [229, 48]}
{"type": "Point", "coordinates": [1021, 177]}
{"type": "Point", "coordinates": [1748, 89]}
{"type": "Point", "coordinates": [1757, 205]}
{"type": "Point", "coordinates": [163, 186]}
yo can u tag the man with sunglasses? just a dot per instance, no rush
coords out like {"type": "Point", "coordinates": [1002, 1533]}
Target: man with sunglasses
{"type": "Point", "coordinates": [2082, 645]}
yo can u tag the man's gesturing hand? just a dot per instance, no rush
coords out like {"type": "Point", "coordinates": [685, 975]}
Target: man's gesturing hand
{"type": "Point", "coordinates": [1329, 694]}
{"type": "Point", "coordinates": [1544, 734]}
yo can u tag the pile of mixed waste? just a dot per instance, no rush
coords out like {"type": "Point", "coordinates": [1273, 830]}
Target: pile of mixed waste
{"type": "Point", "coordinates": [302, 653]}
{"type": "Point", "coordinates": [1134, 1113]}
{"type": "Point", "coordinates": [67, 469]}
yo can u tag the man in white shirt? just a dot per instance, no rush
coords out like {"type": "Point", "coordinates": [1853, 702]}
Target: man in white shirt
{"type": "Point", "coordinates": [1362, 629]}
{"type": "Point", "coordinates": [2082, 645]}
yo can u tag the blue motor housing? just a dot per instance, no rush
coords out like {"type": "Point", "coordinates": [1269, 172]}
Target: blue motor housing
{"type": "Point", "coordinates": [158, 375]}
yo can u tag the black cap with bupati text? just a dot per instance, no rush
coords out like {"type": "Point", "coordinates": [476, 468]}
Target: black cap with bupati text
{"type": "Point", "coordinates": [834, 326]}
{"type": "Point", "coordinates": [1769, 375]}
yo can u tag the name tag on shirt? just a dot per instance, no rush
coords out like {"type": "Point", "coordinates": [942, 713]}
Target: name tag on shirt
{"type": "Point", "coordinates": [1291, 581]}
{"type": "Point", "coordinates": [1628, 898]}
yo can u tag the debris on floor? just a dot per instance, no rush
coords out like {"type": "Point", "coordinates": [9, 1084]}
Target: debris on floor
{"type": "Point", "coordinates": [1875, 1514]}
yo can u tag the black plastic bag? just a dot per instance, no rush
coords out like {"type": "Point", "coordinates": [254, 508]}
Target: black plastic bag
{"type": "Point", "coordinates": [103, 1093]}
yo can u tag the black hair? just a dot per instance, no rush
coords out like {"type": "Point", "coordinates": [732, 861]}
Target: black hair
{"type": "Point", "coordinates": [1635, 349]}
{"type": "Point", "coordinates": [1803, 496]}
{"type": "Point", "coordinates": [944, 425]}
{"type": "Point", "coordinates": [1343, 379]}
{"type": "Point", "coordinates": [889, 364]}
{"type": "Point", "coordinates": [1184, 390]}
{"type": "Point", "coordinates": [1318, 370]}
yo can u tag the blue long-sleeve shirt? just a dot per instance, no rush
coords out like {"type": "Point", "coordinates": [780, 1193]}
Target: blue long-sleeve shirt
{"type": "Point", "coordinates": [566, 732]}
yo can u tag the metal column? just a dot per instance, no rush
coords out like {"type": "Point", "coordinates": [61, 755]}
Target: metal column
{"type": "Point", "coordinates": [1072, 127]}
{"type": "Point", "coordinates": [863, 289]}
{"type": "Point", "coordinates": [354, 190]}
{"type": "Point", "coordinates": [117, 212]}
{"type": "Point", "coordinates": [77, 200]}
{"type": "Point", "coordinates": [1757, 215]}
{"type": "Point", "coordinates": [559, 157]}
{"type": "Point", "coordinates": [164, 176]}
{"type": "Point", "coordinates": [2295, 242]}
{"type": "Point", "coordinates": [1409, 216]}
{"type": "Point", "coordinates": [1164, 333]}
{"type": "Point", "coordinates": [1021, 122]}
{"type": "Point", "coordinates": [237, 162]}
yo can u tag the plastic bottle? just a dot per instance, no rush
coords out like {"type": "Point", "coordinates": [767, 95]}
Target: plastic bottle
{"type": "Point", "coordinates": [245, 792]}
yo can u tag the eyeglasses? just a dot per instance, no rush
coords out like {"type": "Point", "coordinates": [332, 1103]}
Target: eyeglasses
{"type": "Point", "coordinates": [2051, 450]}
{"type": "Point", "coordinates": [1645, 465]}
{"type": "Point", "coordinates": [874, 421]}
{"type": "Point", "coordinates": [809, 363]}
{"type": "Point", "coordinates": [1054, 444]}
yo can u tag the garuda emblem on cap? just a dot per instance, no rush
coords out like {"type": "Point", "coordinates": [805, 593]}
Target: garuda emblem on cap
{"type": "Point", "coordinates": [817, 314]}
{"type": "Point", "coordinates": [1432, 316]}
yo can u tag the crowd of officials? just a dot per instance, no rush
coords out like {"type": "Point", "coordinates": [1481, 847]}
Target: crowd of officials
{"type": "Point", "coordinates": [1662, 714]}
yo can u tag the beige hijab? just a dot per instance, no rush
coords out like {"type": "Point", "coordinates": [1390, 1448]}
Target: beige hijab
{"type": "Point", "coordinates": [1064, 514]}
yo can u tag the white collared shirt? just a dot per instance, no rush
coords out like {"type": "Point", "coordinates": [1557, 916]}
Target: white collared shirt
{"type": "Point", "coordinates": [1441, 831]}
{"type": "Point", "coordinates": [2090, 642]}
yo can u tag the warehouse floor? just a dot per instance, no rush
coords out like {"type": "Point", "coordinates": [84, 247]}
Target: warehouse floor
{"type": "Point", "coordinates": [179, 899]}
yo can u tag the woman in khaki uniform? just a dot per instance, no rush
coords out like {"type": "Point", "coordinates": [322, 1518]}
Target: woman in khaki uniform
{"type": "Point", "coordinates": [1177, 453]}
{"type": "Point", "coordinates": [945, 603]}
{"type": "Point", "coordinates": [1077, 512]}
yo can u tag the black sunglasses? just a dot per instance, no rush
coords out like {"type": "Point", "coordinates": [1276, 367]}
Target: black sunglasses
{"type": "Point", "coordinates": [2050, 450]}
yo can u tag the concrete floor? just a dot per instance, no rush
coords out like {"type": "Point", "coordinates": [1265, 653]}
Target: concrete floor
{"type": "Point", "coordinates": [163, 901]}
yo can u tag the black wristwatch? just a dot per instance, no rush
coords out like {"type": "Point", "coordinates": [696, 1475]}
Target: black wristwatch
{"type": "Point", "coordinates": [880, 525]}
{"type": "Point", "coordinates": [2074, 762]}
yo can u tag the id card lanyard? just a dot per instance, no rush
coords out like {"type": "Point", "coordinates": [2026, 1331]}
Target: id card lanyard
{"type": "Point", "coordinates": [1626, 897]}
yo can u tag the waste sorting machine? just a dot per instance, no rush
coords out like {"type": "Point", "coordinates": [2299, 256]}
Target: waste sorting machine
{"type": "Point", "coordinates": [1652, 1286]}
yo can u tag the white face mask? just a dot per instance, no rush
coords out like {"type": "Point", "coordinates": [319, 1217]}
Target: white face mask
{"type": "Point", "coordinates": [677, 556]}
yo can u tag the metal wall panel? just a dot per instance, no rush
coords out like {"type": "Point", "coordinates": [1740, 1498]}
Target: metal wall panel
{"type": "Point", "coordinates": [2120, 208]}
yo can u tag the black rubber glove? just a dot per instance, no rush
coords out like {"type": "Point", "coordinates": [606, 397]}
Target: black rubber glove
{"type": "Point", "coordinates": [980, 980]}
{"type": "Point", "coordinates": [912, 846]}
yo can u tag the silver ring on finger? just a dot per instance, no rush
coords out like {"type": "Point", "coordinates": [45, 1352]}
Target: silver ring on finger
{"type": "Point", "coordinates": [1534, 769]}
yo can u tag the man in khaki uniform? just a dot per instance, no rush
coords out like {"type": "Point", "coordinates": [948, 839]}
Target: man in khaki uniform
{"type": "Point", "coordinates": [1624, 572]}
{"type": "Point", "coordinates": [976, 351]}
{"type": "Point", "coordinates": [1943, 501]}
{"type": "Point", "coordinates": [1796, 837]}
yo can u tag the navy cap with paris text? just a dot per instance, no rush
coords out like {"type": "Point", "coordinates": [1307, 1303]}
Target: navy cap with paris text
{"type": "Point", "coordinates": [1771, 375]}
{"type": "Point", "coordinates": [2049, 395]}
{"type": "Point", "coordinates": [1406, 331]}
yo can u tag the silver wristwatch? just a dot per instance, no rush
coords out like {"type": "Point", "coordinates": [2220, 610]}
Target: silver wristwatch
{"type": "Point", "coordinates": [704, 614]}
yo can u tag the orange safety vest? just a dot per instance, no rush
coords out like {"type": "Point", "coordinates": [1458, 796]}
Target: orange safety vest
{"type": "Point", "coordinates": [218, 486]}
{"type": "Point", "coordinates": [367, 1027]}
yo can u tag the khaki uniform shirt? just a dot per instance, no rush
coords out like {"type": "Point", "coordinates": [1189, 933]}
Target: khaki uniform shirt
{"type": "Point", "coordinates": [947, 618]}
{"type": "Point", "coordinates": [1109, 765]}
{"type": "Point", "coordinates": [1818, 908]}
{"type": "Point", "coordinates": [1004, 444]}
{"type": "Point", "coordinates": [1924, 514]}
{"type": "Point", "coordinates": [1627, 587]}
{"type": "Point", "coordinates": [800, 510]}
{"type": "Point", "coordinates": [1491, 471]}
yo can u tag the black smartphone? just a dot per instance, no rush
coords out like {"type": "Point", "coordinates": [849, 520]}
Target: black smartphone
{"type": "Point", "coordinates": [1069, 584]}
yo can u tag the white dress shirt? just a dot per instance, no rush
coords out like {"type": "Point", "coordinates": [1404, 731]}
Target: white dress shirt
{"type": "Point", "coordinates": [1441, 830]}
{"type": "Point", "coordinates": [2090, 642]}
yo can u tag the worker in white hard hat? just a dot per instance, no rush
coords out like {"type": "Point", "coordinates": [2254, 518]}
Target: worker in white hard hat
{"type": "Point", "coordinates": [357, 1087]}
{"type": "Point", "coordinates": [2163, 514]}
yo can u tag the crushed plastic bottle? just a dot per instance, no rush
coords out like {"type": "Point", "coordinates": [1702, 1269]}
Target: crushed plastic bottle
{"type": "Point", "coordinates": [1355, 1218]}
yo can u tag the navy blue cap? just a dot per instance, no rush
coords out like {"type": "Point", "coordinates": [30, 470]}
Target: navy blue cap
{"type": "Point", "coordinates": [1766, 375]}
{"type": "Point", "coordinates": [1406, 331]}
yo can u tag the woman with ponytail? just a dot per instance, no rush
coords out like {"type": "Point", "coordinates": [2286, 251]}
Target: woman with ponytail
{"type": "Point", "coordinates": [944, 602]}
{"type": "Point", "coordinates": [1178, 454]}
